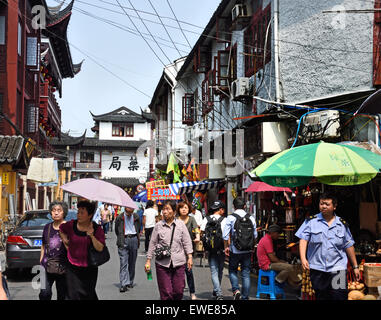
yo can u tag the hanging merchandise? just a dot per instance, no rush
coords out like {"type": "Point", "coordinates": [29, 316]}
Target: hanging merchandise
{"type": "Point", "coordinates": [307, 292]}
{"type": "Point", "coordinates": [41, 170]}
{"type": "Point", "coordinates": [234, 193]}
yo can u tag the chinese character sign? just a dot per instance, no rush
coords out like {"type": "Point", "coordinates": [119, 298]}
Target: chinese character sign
{"type": "Point", "coordinates": [161, 194]}
{"type": "Point", "coordinates": [115, 164]}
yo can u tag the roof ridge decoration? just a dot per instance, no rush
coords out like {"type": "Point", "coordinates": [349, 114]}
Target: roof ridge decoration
{"type": "Point", "coordinates": [56, 9]}
{"type": "Point", "coordinates": [55, 17]}
{"type": "Point", "coordinates": [120, 111]}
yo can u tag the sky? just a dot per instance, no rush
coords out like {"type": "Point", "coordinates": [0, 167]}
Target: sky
{"type": "Point", "coordinates": [117, 60]}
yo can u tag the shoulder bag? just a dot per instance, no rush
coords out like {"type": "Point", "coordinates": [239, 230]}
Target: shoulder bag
{"type": "Point", "coordinates": [53, 265]}
{"type": "Point", "coordinates": [97, 258]}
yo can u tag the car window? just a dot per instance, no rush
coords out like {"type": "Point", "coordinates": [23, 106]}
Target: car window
{"type": "Point", "coordinates": [35, 219]}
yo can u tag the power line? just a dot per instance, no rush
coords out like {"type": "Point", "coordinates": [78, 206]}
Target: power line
{"type": "Point", "coordinates": [165, 28]}
{"type": "Point", "coordinates": [182, 31]}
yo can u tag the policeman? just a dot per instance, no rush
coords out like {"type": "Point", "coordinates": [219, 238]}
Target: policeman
{"type": "Point", "coordinates": [330, 244]}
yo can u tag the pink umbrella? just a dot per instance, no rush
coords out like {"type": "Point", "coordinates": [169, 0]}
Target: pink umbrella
{"type": "Point", "coordinates": [99, 190]}
{"type": "Point", "coordinates": [259, 186]}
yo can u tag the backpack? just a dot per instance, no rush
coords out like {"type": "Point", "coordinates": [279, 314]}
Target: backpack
{"type": "Point", "coordinates": [243, 238]}
{"type": "Point", "coordinates": [212, 237]}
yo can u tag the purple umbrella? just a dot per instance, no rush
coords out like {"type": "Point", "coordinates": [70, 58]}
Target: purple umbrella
{"type": "Point", "coordinates": [99, 190]}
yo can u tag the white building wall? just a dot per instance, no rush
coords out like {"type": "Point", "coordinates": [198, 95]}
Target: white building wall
{"type": "Point", "coordinates": [119, 164]}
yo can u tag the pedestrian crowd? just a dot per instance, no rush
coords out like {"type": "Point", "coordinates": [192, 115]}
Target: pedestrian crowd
{"type": "Point", "coordinates": [172, 231]}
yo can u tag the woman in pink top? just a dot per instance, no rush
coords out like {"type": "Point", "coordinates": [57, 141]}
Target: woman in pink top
{"type": "Point", "coordinates": [77, 236]}
{"type": "Point", "coordinates": [170, 271]}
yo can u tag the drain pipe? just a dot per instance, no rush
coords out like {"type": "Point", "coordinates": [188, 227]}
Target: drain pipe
{"type": "Point", "coordinates": [276, 50]}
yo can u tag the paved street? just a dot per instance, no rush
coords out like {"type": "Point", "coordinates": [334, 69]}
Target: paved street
{"type": "Point", "coordinates": [108, 281]}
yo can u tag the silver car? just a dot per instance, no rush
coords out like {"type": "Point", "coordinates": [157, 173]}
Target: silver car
{"type": "Point", "coordinates": [23, 245]}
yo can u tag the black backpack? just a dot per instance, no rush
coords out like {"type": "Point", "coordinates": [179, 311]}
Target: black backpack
{"type": "Point", "coordinates": [243, 238]}
{"type": "Point", "coordinates": [212, 237]}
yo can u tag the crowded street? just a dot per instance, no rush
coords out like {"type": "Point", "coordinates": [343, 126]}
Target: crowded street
{"type": "Point", "coordinates": [108, 281]}
{"type": "Point", "coordinates": [200, 151]}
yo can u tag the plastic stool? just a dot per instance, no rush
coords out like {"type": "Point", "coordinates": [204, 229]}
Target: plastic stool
{"type": "Point", "coordinates": [272, 288]}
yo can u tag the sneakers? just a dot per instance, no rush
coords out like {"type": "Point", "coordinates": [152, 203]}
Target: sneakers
{"type": "Point", "coordinates": [237, 295]}
{"type": "Point", "coordinates": [193, 296]}
{"type": "Point", "coordinates": [220, 298]}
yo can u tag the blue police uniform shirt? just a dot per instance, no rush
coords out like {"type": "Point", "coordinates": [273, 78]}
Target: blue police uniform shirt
{"type": "Point", "coordinates": [229, 228]}
{"type": "Point", "coordinates": [326, 244]}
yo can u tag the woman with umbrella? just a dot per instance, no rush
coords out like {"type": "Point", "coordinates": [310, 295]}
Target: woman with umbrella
{"type": "Point", "coordinates": [77, 236]}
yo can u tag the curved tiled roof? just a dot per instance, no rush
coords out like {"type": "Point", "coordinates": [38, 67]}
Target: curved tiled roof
{"type": "Point", "coordinates": [10, 148]}
{"type": "Point", "coordinates": [121, 114]}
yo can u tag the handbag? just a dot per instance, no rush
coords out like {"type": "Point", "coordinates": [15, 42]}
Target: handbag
{"type": "Point", "coordinates": [97, 258]}
{"type": "Point", "coordinates": [165, 251]}
{"type": "Point", "coordinates": [54, 265]}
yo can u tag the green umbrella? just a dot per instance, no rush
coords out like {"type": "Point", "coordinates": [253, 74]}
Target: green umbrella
{"type": "Point", "coordinates": [329, 163]}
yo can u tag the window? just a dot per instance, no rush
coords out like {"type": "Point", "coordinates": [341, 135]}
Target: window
{"type": "Point", "coordinates": [255, 38]}
{"type": "Point", "coordinates": [19, 39]}
{"type": "Point", "coordinates": [2, 30]}
{"type": "Point", "coordinates": [123, 130]}
{"type": "Point", "coordinates": [188, 109]}
{"type": "Point", "coordinates": [202, 59]}
{"type": "Point", "coordinates": [87, 157]}
{"type": "Point", "coordinates": [226, 67]}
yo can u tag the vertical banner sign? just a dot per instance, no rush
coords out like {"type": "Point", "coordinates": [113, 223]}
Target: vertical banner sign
{"type": "Point", "coordinates": [31, 52]}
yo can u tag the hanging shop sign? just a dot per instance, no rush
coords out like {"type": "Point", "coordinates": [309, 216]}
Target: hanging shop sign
{"type": "Point", "coordinates": [161, 194]}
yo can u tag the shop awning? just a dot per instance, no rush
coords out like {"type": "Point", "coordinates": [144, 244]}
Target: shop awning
{"type": "Point", "coordinates": [187, 187]}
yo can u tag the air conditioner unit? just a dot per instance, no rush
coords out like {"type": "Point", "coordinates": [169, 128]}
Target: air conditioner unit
{"type": "Point", "coordinates": [240, 88]}
{"type": "Point", "coordinates": [239, 10]}
{"type": "Point", "coordinates": [322, 124]}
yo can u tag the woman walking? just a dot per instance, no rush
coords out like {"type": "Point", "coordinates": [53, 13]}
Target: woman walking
{"type": "Point", "coordinates": [53, 253]}
{"type": "Point", "coordinates": [78, 235]}
{"type": "Point", "coordinates": [183, 211]}
{"type": "Point", "coordinates": [172, 246]}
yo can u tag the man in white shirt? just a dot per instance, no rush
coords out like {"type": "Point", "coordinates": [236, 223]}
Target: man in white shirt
{"type": "Point", "coordinates": [216, 257]}
{"type": "Point", "coordinates": [149, 220]}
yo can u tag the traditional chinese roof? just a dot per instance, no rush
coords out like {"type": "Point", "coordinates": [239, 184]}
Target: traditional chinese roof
{"type": "Point", "coordinates": [11, 150]}
{"type": "Point", "coordinates": [57, 21]}
{"type": "Point", "coordinates": [121, 115]}
{"type": "Point", "coordinates": [123, 182]}
{"type": "Point", "coordinates": [67, 140]}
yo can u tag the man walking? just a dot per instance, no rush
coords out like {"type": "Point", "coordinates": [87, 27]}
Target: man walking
{"type": "Point", "coordinates": [127, 229]}
{"type": "Point", "coordinates": [330, 244]}
{"type": "Point", "coordinates": [239, 236]}
{"type": "Point", "coordinates": [149, 220]}
{"type": "Point", "coordinates": [211, 232]}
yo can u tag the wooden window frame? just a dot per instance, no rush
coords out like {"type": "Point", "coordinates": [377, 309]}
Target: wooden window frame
{"type": "Point", "coordinates": [123, 130]}
{"type": "Point", "coordinates": [201, 59]}
{"type": "Point", "coordinates": [84, 159]}
{"type": "Point", "coordinates": [254, 42]}
{"type": "Point", "coordinates": [188, 104]}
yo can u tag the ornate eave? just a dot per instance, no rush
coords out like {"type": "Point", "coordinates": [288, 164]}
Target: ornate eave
{"type": "Point", "coordinates": [56, 31]}
{"type": "Point", "coordinates": [67, 140]}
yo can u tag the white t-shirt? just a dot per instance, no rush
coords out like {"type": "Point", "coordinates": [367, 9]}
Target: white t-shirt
{"type": "Point", "coordinates": [197, 216]}
{"type": "Point", "coordinates": [213, 216]}
{"type": "Point", "coordinates": [150, 215]}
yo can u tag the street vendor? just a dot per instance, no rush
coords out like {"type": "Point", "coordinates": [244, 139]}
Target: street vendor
{"type": "Point", "coordinates": [330, 244]}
